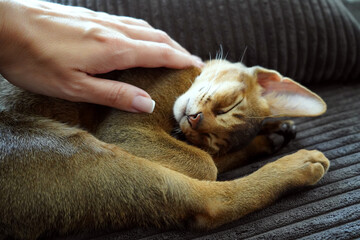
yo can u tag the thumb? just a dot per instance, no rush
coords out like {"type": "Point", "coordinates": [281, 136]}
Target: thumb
{"type": "Point", "coordinates": [117, 94]}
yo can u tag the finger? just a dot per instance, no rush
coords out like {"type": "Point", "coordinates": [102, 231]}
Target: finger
{"type": "Point", "coordinates": [152, 35]}
{"type": "Point", "coordinates": [115, 94]}
{"type": "Point", "coordinates": [134, 21]}
{"type": "Point", "coordinates": [155, 54]}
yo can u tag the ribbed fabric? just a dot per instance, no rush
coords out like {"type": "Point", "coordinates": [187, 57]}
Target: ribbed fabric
{"type": "Point", "coordinates": [311, 41]}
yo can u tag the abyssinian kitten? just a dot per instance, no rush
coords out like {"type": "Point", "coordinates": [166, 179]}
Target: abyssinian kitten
{"type": "Point", "coordinates": [67, 167]}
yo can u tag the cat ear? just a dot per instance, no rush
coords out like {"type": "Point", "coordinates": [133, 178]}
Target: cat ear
{"type": "Point", "coordinates": [286, 97]}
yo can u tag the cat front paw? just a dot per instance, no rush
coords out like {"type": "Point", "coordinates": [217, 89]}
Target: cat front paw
{"type": "Point", "coordinates": [302, 168]}
{"type": "Point", "coordinates": [286, 129]}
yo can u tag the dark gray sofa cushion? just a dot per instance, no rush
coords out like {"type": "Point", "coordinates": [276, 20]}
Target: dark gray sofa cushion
{"type": "Point", "coordinates": [311, 41]}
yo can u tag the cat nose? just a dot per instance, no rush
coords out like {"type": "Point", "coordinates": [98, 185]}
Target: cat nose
{"type": "Point", "coordinates": [195, 119]}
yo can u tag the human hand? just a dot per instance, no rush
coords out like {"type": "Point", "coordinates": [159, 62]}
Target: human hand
{"type": "Point", "coordinates": [56, 50]}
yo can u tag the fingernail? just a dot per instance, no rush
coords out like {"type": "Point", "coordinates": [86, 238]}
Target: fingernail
{"type": "Point", "coordinates": [143, 104]}
{"type": "Point", "coordinates": [198, 62]}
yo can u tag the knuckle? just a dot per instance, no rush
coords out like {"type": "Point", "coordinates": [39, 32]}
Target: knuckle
{"type": "Point", "coordinates": [162, 36]}
{"type": "Point", "coordinates": [115, 95]}
{"type": "Point", "coordinates": [72, 90]}
{"type": "Point", "coordinates": [165, 51]}
{"type": "Point", "coordinates": [124, 28]}
{"type": "Point", "coordinates": [143, 22]}
{"type": "Point", "coordinates": [95, 32]}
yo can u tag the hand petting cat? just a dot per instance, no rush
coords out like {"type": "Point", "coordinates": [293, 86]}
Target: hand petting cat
{"type": "Point", "coordinates": [57, 50]}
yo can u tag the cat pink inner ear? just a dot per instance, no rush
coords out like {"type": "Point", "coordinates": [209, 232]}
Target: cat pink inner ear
{"type": "Point", "coordinates": [288, 98]}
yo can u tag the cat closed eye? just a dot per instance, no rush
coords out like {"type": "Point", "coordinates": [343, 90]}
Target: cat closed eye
{"type": "Point", "coordinates": [220, 112]}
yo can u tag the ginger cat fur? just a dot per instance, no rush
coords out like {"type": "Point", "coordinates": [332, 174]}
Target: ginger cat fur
{"type": "Point", "coordinates": [71, 167]}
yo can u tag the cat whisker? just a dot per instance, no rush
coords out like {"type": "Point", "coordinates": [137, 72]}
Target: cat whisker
{"type": "Point", "coordinates": [220, 53]}
{"type": "Point", "coordinates": [226, 55]}
{"type": "Point", "coordinates": [243, 55]}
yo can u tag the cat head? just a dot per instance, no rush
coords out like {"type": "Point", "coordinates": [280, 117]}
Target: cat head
{"type": "Point", "coordinates": [227, 102]}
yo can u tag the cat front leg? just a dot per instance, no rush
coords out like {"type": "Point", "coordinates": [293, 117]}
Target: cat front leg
{"type": "Point", "coordinates": [235, 199]}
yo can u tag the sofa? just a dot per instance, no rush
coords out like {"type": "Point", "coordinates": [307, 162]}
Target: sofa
{"type": "Point", "coordinates": [314, 42]}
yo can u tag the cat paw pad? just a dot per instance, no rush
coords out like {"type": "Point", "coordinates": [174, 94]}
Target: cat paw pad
{"type": "Point", "coordinates": [279, 133]}
{"type": "Point", "coordinates": [287, 129]}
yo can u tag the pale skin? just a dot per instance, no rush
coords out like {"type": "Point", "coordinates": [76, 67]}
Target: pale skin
{"type": "Point", "coordinates": [57, 50]}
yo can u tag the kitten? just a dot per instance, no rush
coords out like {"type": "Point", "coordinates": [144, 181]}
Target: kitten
{"type": "Point", "coordinates": [69, 167]}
